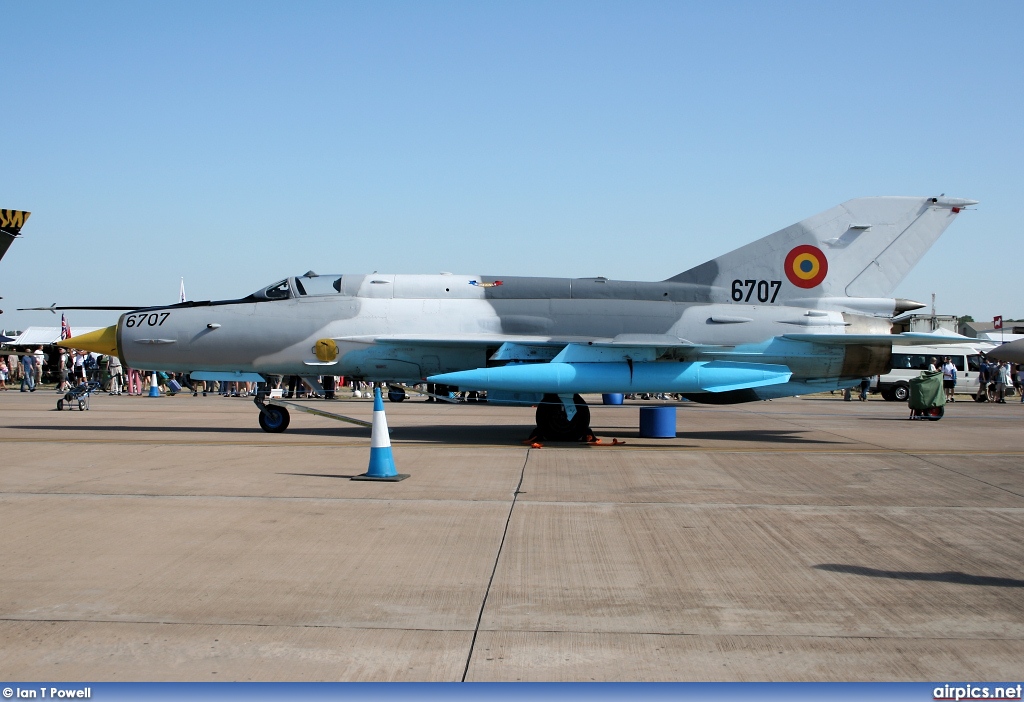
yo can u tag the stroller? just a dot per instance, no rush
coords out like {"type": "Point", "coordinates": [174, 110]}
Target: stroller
{"type": "Point", "coordinates": [927, 398]}
{"type": "Point", "coordinates": [80, 395]}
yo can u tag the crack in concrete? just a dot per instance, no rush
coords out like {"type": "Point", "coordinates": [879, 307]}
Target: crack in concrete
{"type": "Point", "coordinates": [494, 570]}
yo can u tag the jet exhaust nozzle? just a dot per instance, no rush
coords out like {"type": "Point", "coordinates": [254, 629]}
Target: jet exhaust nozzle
{"type": "Point", "coordinates": [573, 378]}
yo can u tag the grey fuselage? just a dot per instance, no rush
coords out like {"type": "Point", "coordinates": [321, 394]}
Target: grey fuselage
{"type": "Point", "coordinates": [406, 327]}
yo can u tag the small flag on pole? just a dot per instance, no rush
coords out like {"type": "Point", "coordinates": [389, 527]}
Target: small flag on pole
{"type": "Point", "coordinates": [997, 322]}
{"type": "Point", "coordinates": [65, 328]}
{"type": "Point", "coordinates": [181, 297]}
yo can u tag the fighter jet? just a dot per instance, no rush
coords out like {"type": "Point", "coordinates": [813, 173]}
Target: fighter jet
{"type": "Point", "coordinates": [803, 310]}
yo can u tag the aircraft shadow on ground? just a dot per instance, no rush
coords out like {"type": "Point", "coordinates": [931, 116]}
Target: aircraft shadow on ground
{"type": "Point", "coordinates": [322, 475]}
{"type": "Point", "coordinates": [769, 436]}
{"type": "Point", "coordinates": [482, 434]}
{"type": "Point", "coordinates": [502, 434]}
{"type": "Point", "coordinates": [136, 429]}
{"type": "Point", "coordinates": [505, 434]}
{"type": "Point", "coordinates": [954, 577]}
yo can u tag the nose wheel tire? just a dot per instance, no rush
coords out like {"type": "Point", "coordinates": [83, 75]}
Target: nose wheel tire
{"type": "Point", "coordinates": [553, 425]}
{"type": "Point", "coordinates": [274, 419]}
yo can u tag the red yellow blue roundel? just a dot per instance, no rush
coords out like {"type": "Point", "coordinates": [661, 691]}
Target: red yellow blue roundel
{"type": "Point", "coordinates": [806, 266]}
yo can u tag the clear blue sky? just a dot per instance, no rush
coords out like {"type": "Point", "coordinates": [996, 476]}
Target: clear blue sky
{"type": "Point", "coordinates": [237, 143]}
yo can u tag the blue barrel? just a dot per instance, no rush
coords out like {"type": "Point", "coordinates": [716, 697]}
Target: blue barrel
{"type": "Point", "coordinates": [658, 422]}
{"type": "Point", "coordinates": [611, 398]}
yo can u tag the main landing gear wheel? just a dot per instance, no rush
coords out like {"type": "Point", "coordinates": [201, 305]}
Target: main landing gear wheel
{"type": "Point", "coordinates": [396, 394]}
{"type": "Point", "coordinates": [553, 425]}
{"type": "Point", "coordinates": [274, 419]}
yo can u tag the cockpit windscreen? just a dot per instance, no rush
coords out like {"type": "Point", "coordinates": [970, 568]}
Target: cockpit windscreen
{"type": "Point", "coordinates": [301, 286]}
{"type": "Point", "coordinates": [318, 285]}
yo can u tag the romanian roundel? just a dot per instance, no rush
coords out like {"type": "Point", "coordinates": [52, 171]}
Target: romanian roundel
{"type": "Point", "coordinates": [806, 266]}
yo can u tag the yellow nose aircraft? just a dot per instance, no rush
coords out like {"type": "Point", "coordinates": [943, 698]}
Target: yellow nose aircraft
{"type": "Point", "coordinates": [802, 310]}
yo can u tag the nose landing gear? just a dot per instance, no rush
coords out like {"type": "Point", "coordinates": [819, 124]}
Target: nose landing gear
{"type": "Point", "coordinates": [274, 419]}
{"type": "Point", "coordinates": [274, 416]}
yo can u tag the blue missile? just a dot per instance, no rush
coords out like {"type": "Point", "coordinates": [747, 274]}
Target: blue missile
{"type": "Point", "coordinates": [665, 376]}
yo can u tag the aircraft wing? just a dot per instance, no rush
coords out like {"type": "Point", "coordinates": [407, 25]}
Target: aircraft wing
{"type": "Point", "coordinates": [623, 342]}
{"type": "Point", "coordinates": [905, 339]}
{"type": "Point", "coordinates": [643, 363]}
{"type": "Point", "coordinates": [640, 340]}
{"type": "Point", "coordinates": [461, 340]}
{"type": "Point", "coordinates": [627, 362]}
{"type": "Point", "coordinates": [624, 347]}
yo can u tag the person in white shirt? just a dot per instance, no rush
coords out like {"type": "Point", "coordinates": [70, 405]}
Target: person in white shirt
{"type": "Point", "coordinates": [80, 367]}
{"type": "Point", "coordinates": [114, 369]}
{"type": "Point", "coordinates": [949, 379]}
{"type": "Point", "coordinates": [40, 362]}
{"type": "Point", "coordinates": [1002, 380]}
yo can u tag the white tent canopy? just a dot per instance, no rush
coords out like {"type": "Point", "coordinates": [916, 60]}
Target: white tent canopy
{"type": "Point", "coordinates": [43, 336]}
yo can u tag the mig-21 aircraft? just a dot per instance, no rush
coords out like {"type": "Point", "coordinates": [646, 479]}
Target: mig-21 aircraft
{"type": "Point", "coordinates": [803, 310]}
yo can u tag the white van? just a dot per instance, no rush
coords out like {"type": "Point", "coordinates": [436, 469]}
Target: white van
{"type": "Point", "coordinates": [909, 361]}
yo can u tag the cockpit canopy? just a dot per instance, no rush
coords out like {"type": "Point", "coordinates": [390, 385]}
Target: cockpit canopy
{"type": "Point", "coordinates": [305, 285]}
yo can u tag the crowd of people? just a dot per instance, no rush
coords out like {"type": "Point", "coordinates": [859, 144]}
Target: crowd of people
{"type": "Point", "coordinates": [1000, 377]}
{"type": "Point", "coordinates": [27, 368]}
{"type": "Point", "coordinates": [73, 368]}
{"type": "Point", "coordinates": [997, 379]}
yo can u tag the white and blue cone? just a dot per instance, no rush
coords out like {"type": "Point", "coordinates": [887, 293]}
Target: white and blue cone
{"type": "Point", "coordinates": [382, 463]}
{"type": "Point", "coordinates": [154, 386]}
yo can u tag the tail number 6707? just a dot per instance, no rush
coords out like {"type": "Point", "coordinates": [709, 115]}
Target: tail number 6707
{"type": "Point", "coordinates": [152, 319]}
{"type": "Point", "coordinates": [767, 290]}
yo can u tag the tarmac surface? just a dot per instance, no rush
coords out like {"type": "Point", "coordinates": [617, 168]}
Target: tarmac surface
{"type": "Point", "coordinates": [801, 539]}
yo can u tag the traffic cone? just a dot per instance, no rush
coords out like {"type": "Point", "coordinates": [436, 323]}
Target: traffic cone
{"type": "Point", "coordinates": [154, 386]}
{"type": "Point", "coordinates": [382, 464]}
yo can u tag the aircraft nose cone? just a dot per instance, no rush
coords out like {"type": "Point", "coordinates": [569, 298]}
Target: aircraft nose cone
{"type": "Point", "coordinates": [102, 341]}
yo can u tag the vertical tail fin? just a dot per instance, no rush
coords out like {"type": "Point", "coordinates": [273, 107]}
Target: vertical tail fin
{"type": "Point", "coordinates": [11, 222]}
{"type": "Point", "coordinates": [861, 248]}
